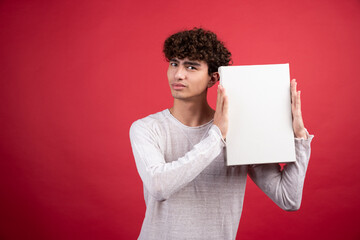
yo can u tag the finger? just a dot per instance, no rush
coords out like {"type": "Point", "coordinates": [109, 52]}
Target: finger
{"type": "Point", "coordinates": [226, 105]}
{"type": "Point", "coordinates": [298, 101]}
{"type": "Point", "coordinates": [293, 91]}
{"type": "Point", "coordinates": [218, 98]}
{"type": "Point", "coordinates": [221, 98]}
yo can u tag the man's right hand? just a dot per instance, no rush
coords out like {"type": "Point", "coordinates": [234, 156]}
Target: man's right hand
{"type": "Point", "coordinates": [221, 113]}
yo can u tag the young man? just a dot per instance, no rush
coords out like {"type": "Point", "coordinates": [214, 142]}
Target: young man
{"type": "Point", "coordinates": [189, 191]}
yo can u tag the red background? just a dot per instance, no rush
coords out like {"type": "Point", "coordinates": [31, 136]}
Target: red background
{"type": "Point", "coordinates": [76, 74]}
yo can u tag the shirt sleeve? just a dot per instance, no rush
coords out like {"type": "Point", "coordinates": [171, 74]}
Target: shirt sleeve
{"type": "Point", "coordinates": [284, 187]}
{"type": "Point", "coordinates": [161, 178]}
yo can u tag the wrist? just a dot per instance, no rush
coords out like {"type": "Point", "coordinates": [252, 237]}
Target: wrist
{"type": "Point", "coordinates": [301, 134]}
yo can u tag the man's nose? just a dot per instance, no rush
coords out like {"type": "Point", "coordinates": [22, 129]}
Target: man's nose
{"type": "Point", "coordinates": [180, 73]}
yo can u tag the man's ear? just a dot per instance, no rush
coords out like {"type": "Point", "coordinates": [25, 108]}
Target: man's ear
{"type": "Point", "coordinates": [214, 78]}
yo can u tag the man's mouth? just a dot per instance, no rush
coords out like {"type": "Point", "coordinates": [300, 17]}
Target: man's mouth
{"type": "Point", "coordinates": [178, 86]}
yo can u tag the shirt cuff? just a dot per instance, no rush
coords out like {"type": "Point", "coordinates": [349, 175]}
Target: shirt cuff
{"type": "Point", "coordinates": [217, 130]}
{"type": "Point", "coordinates": [309, 137]}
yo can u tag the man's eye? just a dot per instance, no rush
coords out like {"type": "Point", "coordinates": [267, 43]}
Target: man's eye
{"type": "Point", "coordinates": [192, 67]}
{"type": "Point", "coordinates": [173, 64]}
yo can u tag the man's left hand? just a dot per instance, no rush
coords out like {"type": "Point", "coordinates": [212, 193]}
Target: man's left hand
{"type": "Point", "coordinates": [298, 124]}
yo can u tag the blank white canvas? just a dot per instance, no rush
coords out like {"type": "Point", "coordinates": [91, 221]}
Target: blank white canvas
{"type": "Point", "coordinates": [260, 121]}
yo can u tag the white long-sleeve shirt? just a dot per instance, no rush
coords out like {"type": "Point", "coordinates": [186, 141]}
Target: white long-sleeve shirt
{"type": "Point", "coordinates": [189, 191]}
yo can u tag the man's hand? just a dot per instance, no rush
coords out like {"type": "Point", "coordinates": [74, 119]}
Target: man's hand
{"type": "Point", "coordinates": [298, 124]}
{"type": "Point", "coordinates": [221, 113]}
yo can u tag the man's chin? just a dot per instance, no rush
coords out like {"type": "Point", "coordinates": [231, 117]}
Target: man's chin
{"type": "Point", "coordinates": [178, 96]}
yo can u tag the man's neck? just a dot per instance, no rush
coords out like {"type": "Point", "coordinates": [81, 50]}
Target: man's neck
{"type": "Point", "coordinates": [192, 113]}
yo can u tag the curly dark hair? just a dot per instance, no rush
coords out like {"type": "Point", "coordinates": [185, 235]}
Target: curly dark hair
{"type": "Point", "coordinates": [198, 44]}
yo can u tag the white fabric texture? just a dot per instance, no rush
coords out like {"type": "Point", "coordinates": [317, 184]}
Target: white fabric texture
{"type": "Point", "coordinates": [189, 191]}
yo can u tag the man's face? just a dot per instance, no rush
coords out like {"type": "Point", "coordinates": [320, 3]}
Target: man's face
{"type": "Point", "coordinates": [188, 78]}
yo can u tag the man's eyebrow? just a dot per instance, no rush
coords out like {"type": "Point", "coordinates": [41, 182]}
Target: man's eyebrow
{"type": "Point", "coordinates": [186, 62]}
{"type": "Point", "coordinates": [192, 63]}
